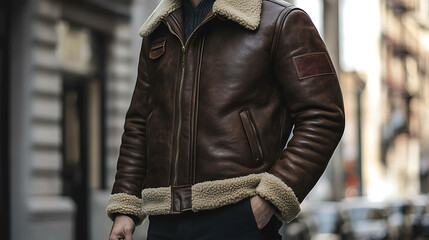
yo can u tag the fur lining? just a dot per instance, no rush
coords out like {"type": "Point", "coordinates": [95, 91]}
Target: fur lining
{"type": "Point", "coordinates": [156, 200]}
{"type": "Point", "coordinates": [125, 204]}
{"type": "Point", "coordinates": [215, 194]}
{"type": "Point", "coordinates": [245, 12]}
{"type": "Point", "coordinates": [161, 11]}
{"type": "Point", "coordinates": [280, 195]}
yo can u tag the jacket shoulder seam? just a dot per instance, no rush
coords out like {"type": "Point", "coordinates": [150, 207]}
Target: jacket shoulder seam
{"type": "Point", "coordinates": [281, 19]}
{"type": "Point", "coordinates": [281, 3]}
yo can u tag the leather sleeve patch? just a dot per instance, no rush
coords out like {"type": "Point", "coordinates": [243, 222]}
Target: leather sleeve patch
{"type": "Point", "coordinates": [313, 64]}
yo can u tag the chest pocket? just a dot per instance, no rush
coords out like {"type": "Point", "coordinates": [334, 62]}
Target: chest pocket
{"type": "Point", "coordinates": [157, 48]}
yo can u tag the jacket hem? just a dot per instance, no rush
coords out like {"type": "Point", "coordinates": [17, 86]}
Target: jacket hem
{"type": "Point", "coordinates": [214, 194]}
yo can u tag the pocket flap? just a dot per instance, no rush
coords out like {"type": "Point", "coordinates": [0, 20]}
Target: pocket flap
{"type": "Point", "coordinates": [157, 48]}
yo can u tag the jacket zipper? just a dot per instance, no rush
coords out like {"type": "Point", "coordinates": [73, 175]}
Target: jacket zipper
{"type": "Point", "coordinates": [184, 48]}
{"type": "Point", "coordinates": [179, 127]}
{"type": "Point", "coordinates": [176, 158]}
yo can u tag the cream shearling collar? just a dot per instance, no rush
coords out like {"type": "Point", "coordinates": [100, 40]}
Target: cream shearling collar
{"type": "Point", "coordinates": [245, 12]}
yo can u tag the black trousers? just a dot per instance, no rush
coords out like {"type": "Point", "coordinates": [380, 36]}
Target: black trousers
{"type": "Point", "coordinates": [232, 222]}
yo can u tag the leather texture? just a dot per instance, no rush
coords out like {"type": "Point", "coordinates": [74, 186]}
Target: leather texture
{"type": "Point", "coordinates": [223, 103]}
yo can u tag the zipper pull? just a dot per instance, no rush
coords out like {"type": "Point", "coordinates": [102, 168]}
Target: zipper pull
{"type": "Point", "coordinates": [183, 56]}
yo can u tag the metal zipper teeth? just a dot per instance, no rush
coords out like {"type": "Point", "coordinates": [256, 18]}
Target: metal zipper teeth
{"type": "Point", "coordinates": [179, 127]}
{"type": "Point", "coordinates": [184, 47]}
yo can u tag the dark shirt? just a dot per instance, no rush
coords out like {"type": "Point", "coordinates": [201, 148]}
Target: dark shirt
{"type": "Point", "coordinates": [194, 16]}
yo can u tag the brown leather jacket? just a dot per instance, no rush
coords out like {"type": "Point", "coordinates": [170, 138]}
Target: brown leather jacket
{"type": "Point", "coordinates": [210, 116]}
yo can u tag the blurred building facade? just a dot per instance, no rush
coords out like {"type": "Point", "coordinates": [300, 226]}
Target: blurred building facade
{"type": "Point", "coordinates": [71, 68]}
{"type": "Point", "coordinates": [386, 139]}
{"type": "Point", "coordinates": [405, 93]}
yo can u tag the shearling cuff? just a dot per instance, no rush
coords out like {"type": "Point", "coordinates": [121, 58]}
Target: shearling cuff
{"type": "Point", "coordinates": [157, 200]}
{"type": "Point", "coordinates": [280, 195]}
{"type": "Point", "coordinates": [125, 204]}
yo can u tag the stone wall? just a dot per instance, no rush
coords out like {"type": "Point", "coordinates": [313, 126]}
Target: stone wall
{"type": "Point", "coordinates": [39, 209]}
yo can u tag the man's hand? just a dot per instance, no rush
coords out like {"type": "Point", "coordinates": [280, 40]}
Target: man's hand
{"type": "Point", "coordinates": [262, 211]}
{"type": "Point", "coordinates": [123, 228]}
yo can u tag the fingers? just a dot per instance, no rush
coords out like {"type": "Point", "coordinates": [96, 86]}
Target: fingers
{"type": "Point", "coordinates": [121, 236]}
{"type": "Point", "coordinates": [116, 233]}
{"type": "Point", "coordinates": [128, 236]}
{"type": "Point", "coordinates": [263, 221]}
{"type": "Point", "coordinates": [114, 236]}
{"type": "Point", "coordinates": [123, 228]}
{"type": "Point", "coordinates": [262, 211]}
{"type": "Point", "coordinates": [128, 232]}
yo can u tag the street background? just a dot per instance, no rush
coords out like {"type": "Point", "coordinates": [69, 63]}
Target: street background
{"type": "Point", "coordinates": [67, 71]}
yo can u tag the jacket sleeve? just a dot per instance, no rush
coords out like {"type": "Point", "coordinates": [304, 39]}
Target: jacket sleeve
{"type": "Point", "coordinates": [313, 100]}
{"type": "Point", "coordinates": [131, 166]}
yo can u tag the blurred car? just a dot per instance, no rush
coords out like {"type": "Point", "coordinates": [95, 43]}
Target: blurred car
{"type": "Point", "coordinates": [325, 220]}
{"type": "Point", "coordinates": [363, 220]}
{"type": "Point", "coordinates": [400, 219]}
{"type": "Point", "coordinates": [420, 218]}
{"type": "Point", "coordinates": [297, 229]}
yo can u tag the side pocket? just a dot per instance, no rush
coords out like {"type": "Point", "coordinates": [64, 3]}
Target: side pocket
{"type": "Point", "coordinates": [251, 134]}
{"type": "Point", "coordinates": [282, 129]}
